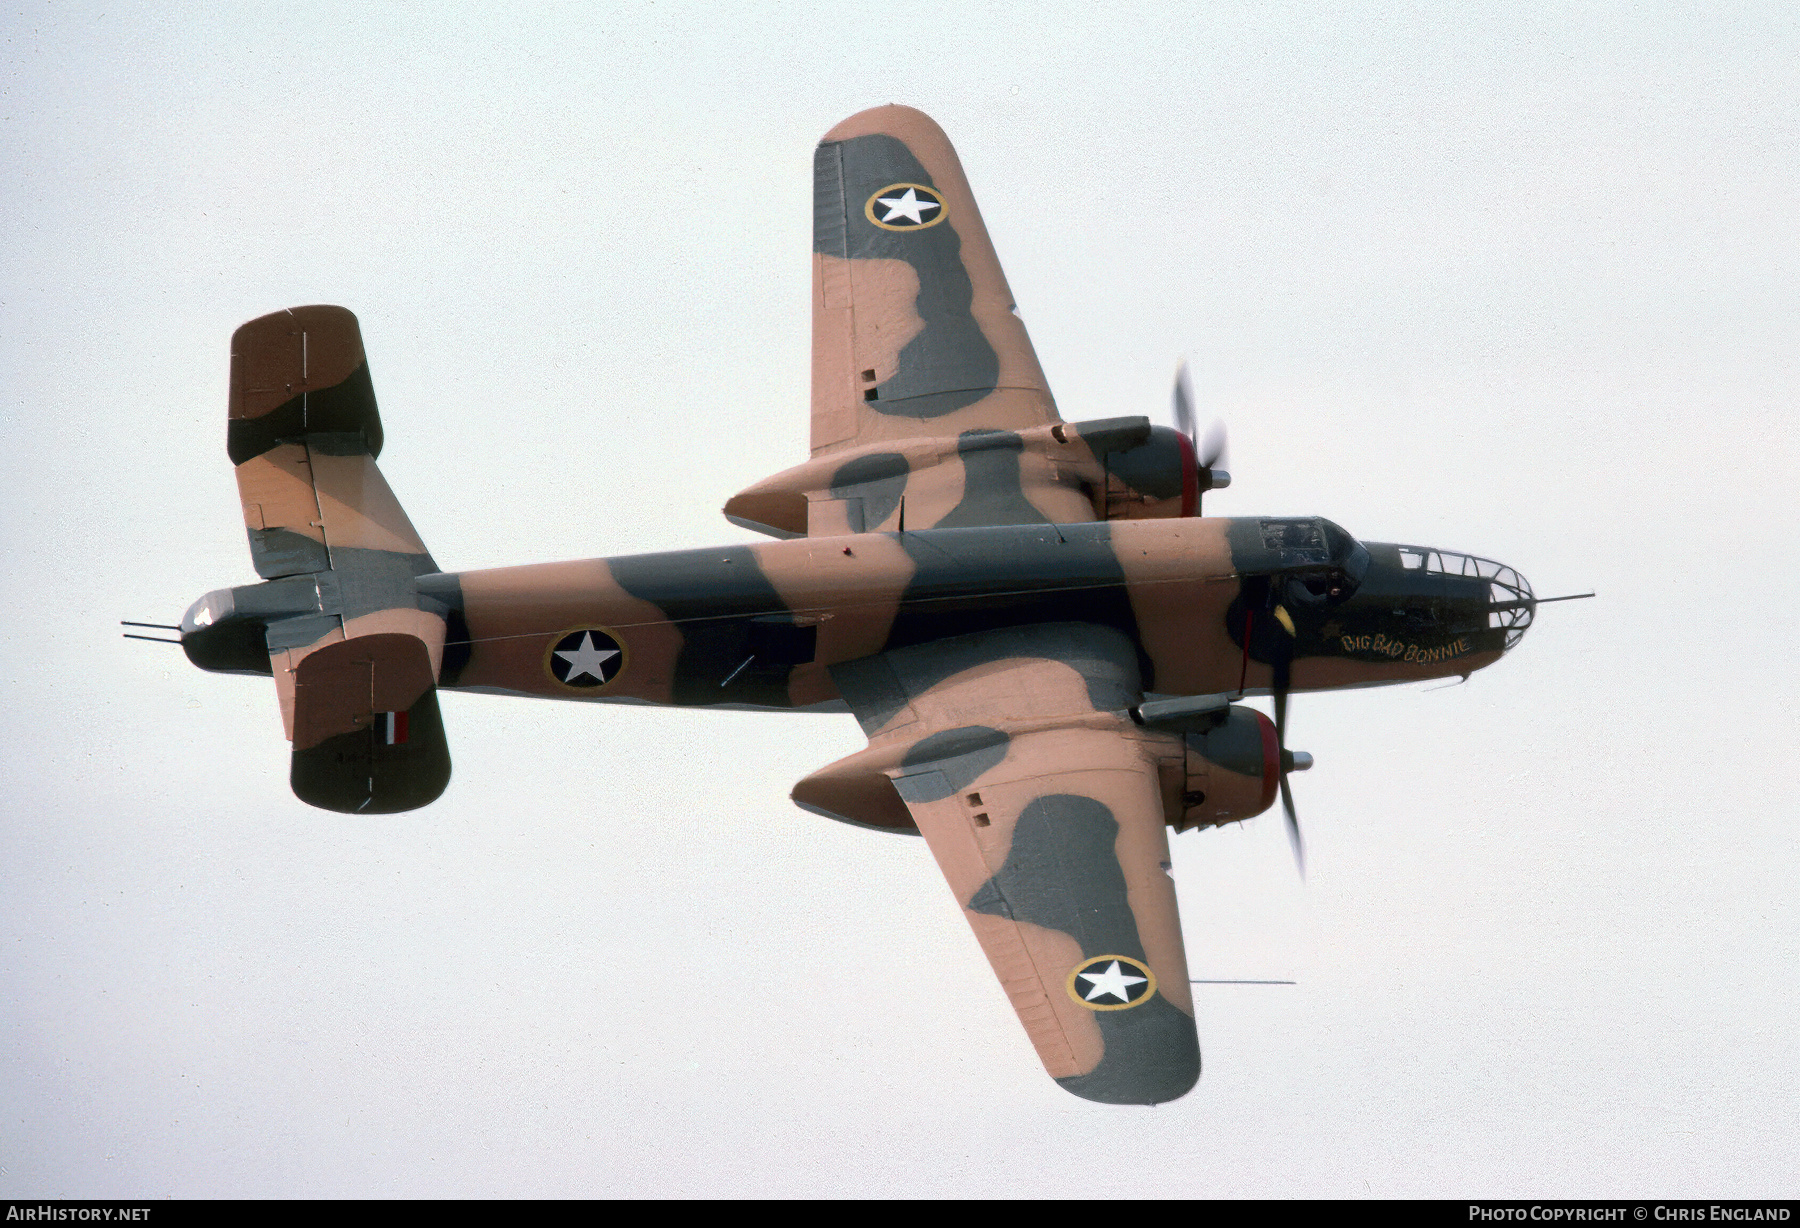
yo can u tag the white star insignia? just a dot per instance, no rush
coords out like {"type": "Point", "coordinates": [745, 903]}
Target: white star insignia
{"type": "Point", "coordinates": [908, 206]}
{"type": "Point", "coordinates": [584, 658]}
{"type": "Point", "coordinates": [1112, 981]}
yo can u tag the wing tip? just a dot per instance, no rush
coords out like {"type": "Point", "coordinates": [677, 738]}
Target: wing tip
{"type": "Point", "coordinates": [1146, 1087]}
{"type": "Point", "coordinates": [1152, 1059]}
{"type": "Point", "coordinates": [893, 118]}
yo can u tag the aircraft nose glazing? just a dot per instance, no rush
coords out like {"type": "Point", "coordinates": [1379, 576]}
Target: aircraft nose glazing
{"type": "Point", "coordinates": [1511, 605]}
{"type": "Point", "coordinates": [1510, 601]}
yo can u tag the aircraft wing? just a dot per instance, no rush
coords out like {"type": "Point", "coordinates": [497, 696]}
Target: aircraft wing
{"type": "Point", "coordinates": [1050, 830]}
{"type": "Point", "coordinates": [914, 329]}
{"type": "Point", "coordinates": [929, 408]}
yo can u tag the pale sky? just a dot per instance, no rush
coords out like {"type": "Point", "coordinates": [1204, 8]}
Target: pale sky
{"type": "Point", "coordinates": [1520, 281]}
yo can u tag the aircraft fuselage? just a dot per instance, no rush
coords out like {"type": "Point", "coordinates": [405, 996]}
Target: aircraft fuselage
{"type": "Point", "coordinates": [760, 625]}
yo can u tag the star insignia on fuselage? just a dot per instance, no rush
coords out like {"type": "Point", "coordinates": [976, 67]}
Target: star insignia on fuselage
{"type": "Point", "coordinates": [1111, 982]}
{"type": "Point", "coordinates": [585, 659]}
{"type": "Point", "coordinates": [905, 206]}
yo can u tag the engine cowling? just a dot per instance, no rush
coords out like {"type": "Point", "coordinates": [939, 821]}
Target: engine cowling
{"type": "Point", "coordinates": [1159, 478]}
{"type": "Point", "coordinates": [1233, 770]}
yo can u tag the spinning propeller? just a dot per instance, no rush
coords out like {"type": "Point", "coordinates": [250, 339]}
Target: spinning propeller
{"type": "Point", "coordinates": [1291, 761]}
{"type": "Point", "coordinates": [1210, 452]}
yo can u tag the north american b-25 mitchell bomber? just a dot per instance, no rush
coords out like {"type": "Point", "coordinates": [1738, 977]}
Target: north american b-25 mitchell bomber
{"type": "Point", "coordinates": [1043, 639]}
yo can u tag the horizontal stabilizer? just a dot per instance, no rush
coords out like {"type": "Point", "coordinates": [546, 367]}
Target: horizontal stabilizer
{"type": "Point", "coordinates": [368, 738]}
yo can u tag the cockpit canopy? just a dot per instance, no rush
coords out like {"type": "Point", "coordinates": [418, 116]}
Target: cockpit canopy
{"type": "Point", "coordinates": [1319, 559]}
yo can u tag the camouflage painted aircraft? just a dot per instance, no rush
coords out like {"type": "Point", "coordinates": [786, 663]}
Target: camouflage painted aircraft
{"type": "Point", "coordinates": [1039, 633]}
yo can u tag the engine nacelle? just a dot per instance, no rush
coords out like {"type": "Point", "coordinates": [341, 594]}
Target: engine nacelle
{"type": "Point", "coordinates": [1124, 468]}
{"type": "Point", "coordinates": [1233, 770]}
{"type": "Point", "coordinates": [1157, 479]}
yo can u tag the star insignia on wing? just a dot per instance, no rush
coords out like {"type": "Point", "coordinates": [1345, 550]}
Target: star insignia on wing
{"type": "Point", "coordinates": [905, 206]}
{"type": "Point", "coordinates": [1111, 982]}
{"type": "Point", "coordinates": [908, 206]}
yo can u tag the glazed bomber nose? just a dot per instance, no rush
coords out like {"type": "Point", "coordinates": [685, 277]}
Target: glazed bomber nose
{"type": "Point", "coordinates": [1483, 598]}
{"type": "Point", "coordinates": [1511, 605]}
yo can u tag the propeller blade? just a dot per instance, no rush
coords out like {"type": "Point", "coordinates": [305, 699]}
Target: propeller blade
{"type": "Point", "coordinates": [1214, 451]}
{"type": "Point", "coordinates": [1293, 826]}
{"type": "Point", "coordinates": [1283, 674]}
{"type": "Point", "coordinates": [1184, 403]}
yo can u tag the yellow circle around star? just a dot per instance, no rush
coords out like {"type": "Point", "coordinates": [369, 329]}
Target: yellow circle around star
{"type": "Point", "coordinates": [1129, 968]}
{"type": "Point", "coordinates": [908, 200]}
{"type": "Point", "coordinates": [561, 638]}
